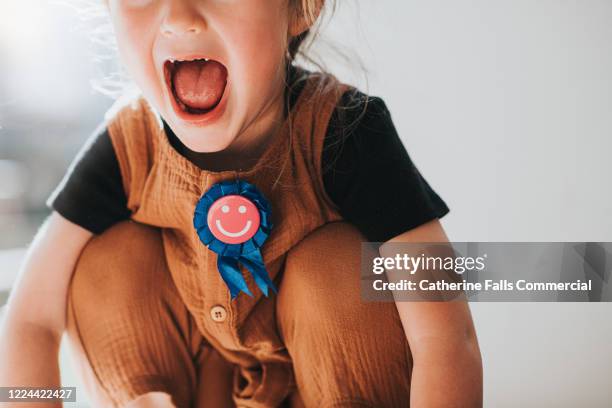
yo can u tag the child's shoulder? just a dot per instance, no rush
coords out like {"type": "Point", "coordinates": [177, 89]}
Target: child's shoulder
{"type": "Point", "coordinates": [134, 127]}
{"type": "Point", "coordinates": [354, 106]}
{"type": "Point", "coordinates": [361, 118]}
{"type": "Point", "coordinates": [129, 107]}
{"type": "Point", "coordinates": [368, 173]}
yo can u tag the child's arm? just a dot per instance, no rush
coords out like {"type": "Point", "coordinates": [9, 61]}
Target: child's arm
{"type": "Point", "coordinates": [370, 176]}
{"type": "Point", "coordinates": [447, 370]}
{"type": "Point", "coordinates": [35, 318]}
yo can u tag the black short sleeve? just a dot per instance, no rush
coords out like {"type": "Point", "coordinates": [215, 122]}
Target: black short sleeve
{"type": "Point", "coordinates": [369, 175]}
{"type": "Point", "coordinates": [91, 193]}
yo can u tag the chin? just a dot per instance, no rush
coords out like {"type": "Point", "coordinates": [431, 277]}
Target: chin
{"type": "Point", "coordinates": [204, 140]}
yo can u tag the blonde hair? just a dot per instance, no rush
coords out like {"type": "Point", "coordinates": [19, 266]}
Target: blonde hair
{"type": "Point", "coordinates": [299, 46]}
{"type": "Point", "coordinates": [308, 11]}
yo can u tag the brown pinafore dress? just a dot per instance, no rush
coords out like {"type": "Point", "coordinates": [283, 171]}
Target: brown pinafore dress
{"type": "Point", "coordinates": [162, 189]}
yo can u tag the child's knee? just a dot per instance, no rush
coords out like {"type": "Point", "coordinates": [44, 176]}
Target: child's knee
{"type": "Point", "coordinates": [322, 272]}
{"type": "Point", "coordinates": [329, 254]}
{"type": "Point", "coordinates": [125, 260]}
{"type": "Point", "coordinates": [341, 345]}
{"type": "Point", "coordinates": [125, 321]}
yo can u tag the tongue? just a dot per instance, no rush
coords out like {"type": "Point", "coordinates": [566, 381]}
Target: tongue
{"type": "Point", "coordinates": [199, 84]}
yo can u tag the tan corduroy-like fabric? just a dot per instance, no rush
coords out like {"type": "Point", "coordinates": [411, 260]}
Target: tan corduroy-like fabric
{"type": "Point", "coordinates": [156, 328]}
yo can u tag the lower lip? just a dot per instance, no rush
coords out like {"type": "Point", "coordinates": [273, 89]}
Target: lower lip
{"type": "Point", "coordinates": [202, 118]}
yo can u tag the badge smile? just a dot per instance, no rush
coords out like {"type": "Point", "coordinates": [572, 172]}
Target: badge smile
{"type": "Point", "coordinates": [233, 234]}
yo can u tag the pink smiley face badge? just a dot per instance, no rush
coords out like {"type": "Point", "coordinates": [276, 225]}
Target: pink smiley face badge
{"type": "Point", "coordinates": [233, 219]}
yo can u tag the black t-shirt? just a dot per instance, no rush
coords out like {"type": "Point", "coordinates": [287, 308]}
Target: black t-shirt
{"type": "Point", "coordinates": [367, 173]}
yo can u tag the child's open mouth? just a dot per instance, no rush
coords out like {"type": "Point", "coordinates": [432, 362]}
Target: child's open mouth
{"type": "Point", "coordinates": [196, 85]}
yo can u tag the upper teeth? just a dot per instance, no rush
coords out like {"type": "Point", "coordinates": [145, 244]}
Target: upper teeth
{"type": "Point", "coordinates": [183, 60]}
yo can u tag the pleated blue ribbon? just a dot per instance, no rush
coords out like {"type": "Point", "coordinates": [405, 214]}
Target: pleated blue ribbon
{"type": "Point", "coordinates": [247, 253]}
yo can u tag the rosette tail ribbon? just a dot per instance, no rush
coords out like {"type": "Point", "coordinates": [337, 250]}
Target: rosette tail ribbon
{"type": "Point", "coordinates": [240, 204]}
{"type": "Point", "coordinates": [230, 273]}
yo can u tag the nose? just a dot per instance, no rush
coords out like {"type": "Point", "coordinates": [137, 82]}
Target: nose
{"type": "Point", "coordinates": [182, 19]}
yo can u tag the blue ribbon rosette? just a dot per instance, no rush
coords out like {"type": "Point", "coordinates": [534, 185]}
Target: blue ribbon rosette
{"type": "Point", "coordinates": [233, 220]}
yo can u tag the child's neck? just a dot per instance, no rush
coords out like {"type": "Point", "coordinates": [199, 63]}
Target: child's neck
{"type": "Point", "coordinates": [247, 148]}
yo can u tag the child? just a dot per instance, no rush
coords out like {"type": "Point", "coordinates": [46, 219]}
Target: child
{"type": "Point", "coordinates": [147, 253]}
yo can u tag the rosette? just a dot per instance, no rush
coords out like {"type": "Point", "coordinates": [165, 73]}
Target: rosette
{"type": "Point", "coordinates": [233, 220]}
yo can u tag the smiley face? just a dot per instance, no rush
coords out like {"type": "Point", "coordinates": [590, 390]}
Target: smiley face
{"type": "Point", "coordinates": [233, 219]}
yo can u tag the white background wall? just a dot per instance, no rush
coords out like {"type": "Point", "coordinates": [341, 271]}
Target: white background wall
{"type": "Point", "coordinates": [504, 105]}
{"type": "Point", "coordinates": [506, 108]}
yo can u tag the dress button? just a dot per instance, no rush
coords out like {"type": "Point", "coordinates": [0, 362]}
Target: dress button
{"type": "Point", "coordinates": [218, 313]}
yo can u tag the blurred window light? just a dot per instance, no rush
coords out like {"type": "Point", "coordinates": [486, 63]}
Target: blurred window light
{"type": "Point", "coordinates": [40, 41]}
{"type": "Point", "coordinates": [23, 26]}
{"type": "Point", "coordinates": [13, 179]}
